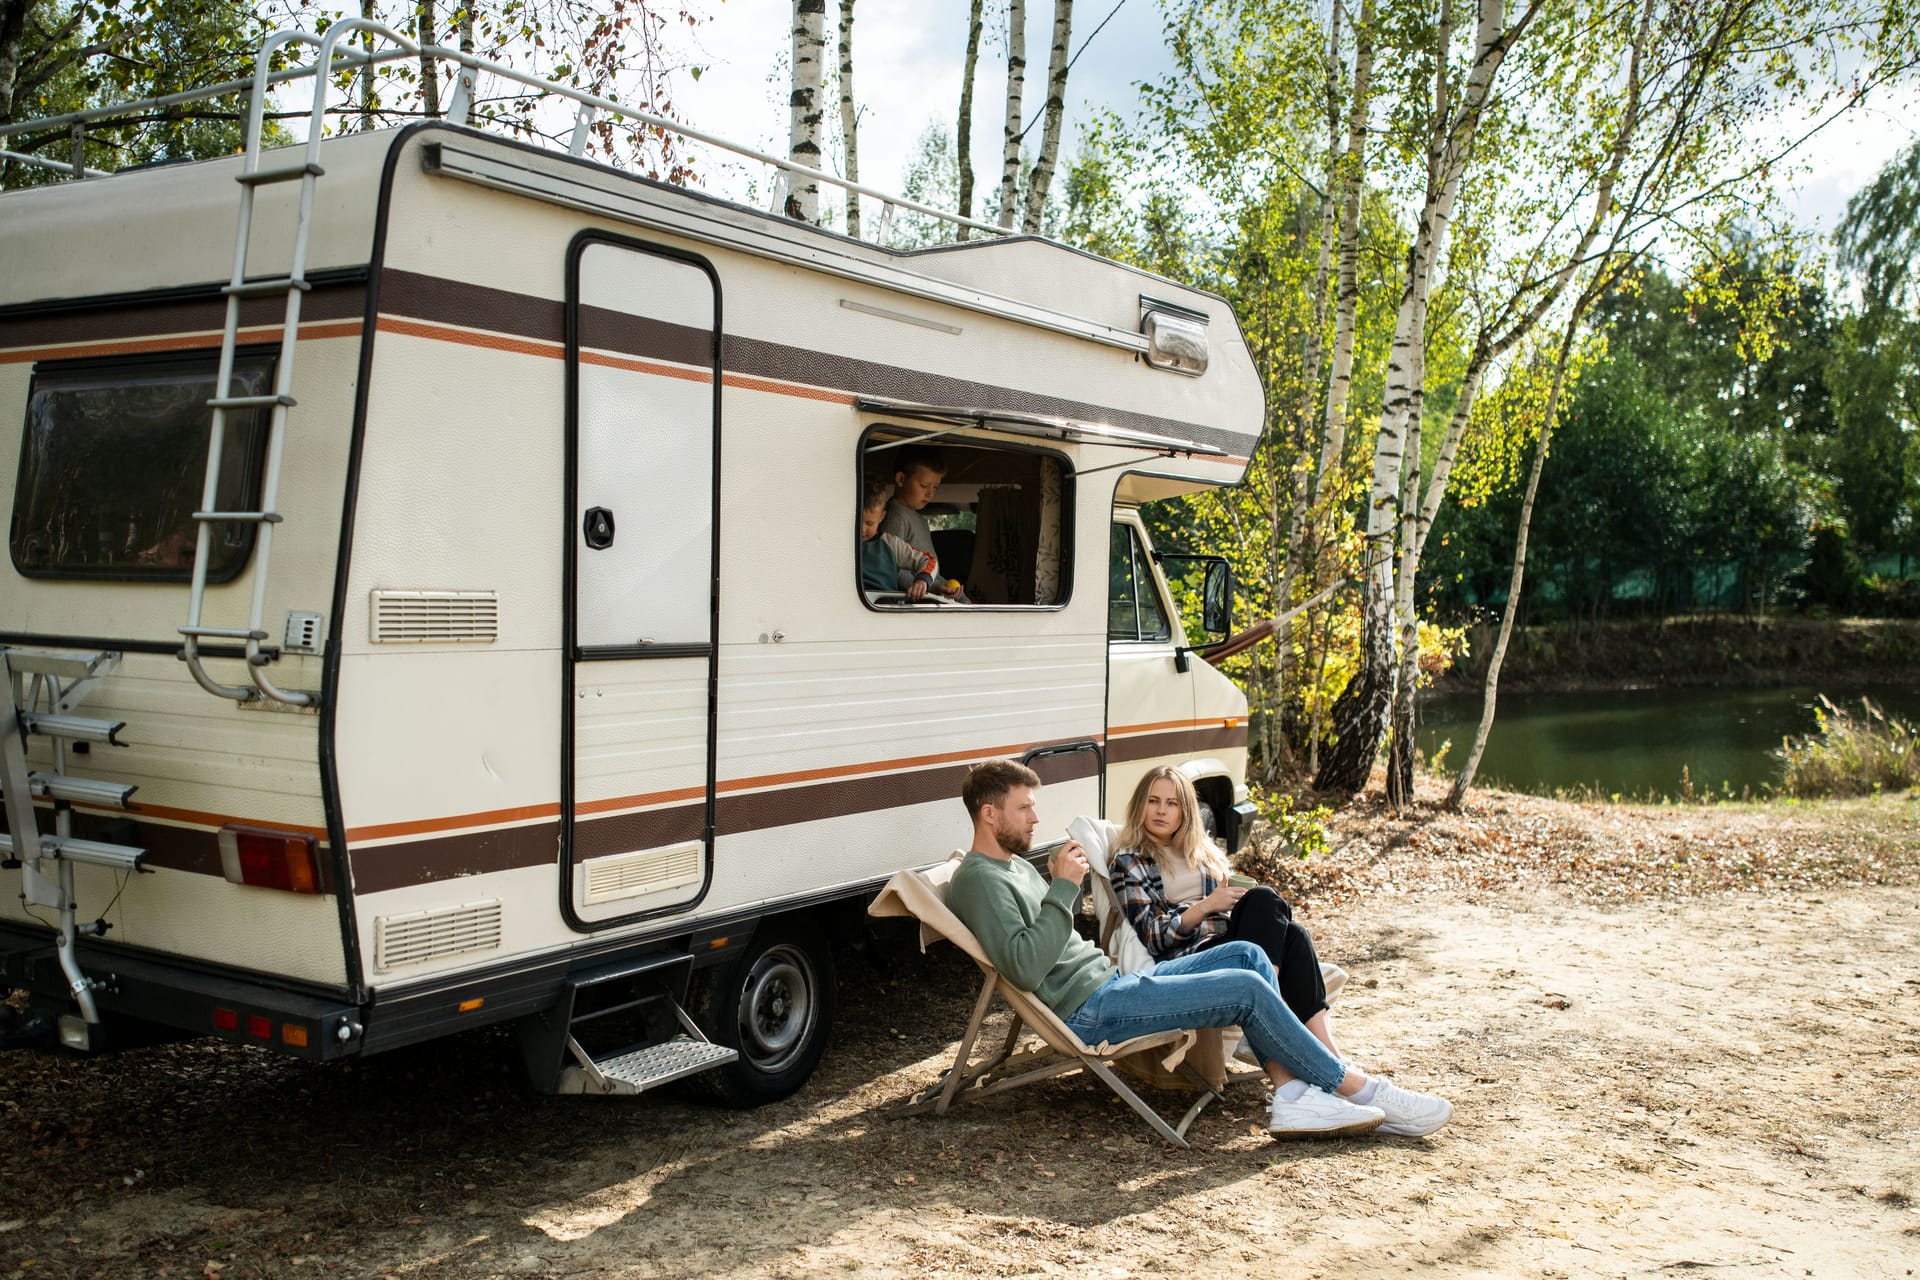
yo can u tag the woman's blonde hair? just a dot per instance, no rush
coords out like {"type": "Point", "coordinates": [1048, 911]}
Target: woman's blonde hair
{"type": "Point", "coordinates": [1190, 843]}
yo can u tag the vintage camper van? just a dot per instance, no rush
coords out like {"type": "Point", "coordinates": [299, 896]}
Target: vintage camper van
{"type": "Point", "coordinates": [433, 594]}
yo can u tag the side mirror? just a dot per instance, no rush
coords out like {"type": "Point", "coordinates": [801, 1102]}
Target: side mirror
{"type": "Point", "coordinates": [1216, 613]}
{"type": "Point", "coordinates": [1214, 585]}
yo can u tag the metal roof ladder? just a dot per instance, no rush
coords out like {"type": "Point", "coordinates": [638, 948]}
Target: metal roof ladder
{"type": "Point", "coordinates": [292, 286]}
{"type": "Point", "coordinates": [44, 688]}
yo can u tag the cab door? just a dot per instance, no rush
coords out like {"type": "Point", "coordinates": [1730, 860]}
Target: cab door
{"type": "Point", "coordinates": [643, 343]}
{"type": "Point", "coordinates": [1149, 698]}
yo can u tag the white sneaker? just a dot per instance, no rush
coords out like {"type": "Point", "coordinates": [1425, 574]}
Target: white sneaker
{"type": "Point", "coordinates": [1319, 1114]}
{"type": "Point", "coordinates": [1409, 1114]}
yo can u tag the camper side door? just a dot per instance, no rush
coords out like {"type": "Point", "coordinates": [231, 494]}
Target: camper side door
{"type": "Point", "coordinates": [643, 326]}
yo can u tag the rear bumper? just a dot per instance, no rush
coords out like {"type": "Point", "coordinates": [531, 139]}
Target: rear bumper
{"type": "Point", "coordinates": [136, 991]}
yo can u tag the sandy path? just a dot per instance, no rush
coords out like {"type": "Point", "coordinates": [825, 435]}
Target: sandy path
{"type": "Point", "coordinates": [1727, 1085]}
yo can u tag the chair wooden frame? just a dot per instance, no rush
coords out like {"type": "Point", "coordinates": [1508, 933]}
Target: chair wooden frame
{"type": "Point", "coordinates": [922, 896]}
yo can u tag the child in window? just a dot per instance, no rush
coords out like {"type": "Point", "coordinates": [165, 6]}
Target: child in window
{"type": "Point", "coordinates": [886, 562]}
{"type": "Point", "coordinates": [919, 471]}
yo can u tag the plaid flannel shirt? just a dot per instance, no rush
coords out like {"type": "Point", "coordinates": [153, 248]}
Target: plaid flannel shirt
{"type": "Point", "coordinates": [1143, 896]}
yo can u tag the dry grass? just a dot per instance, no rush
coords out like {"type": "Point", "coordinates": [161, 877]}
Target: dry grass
{"type": "Point", "coordinates": [1851, 755]}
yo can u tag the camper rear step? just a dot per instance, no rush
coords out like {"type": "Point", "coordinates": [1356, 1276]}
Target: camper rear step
{"type": "Point", "coordinates": [619, 1029]}
{"type": "Point", "coordinates": [645, 1068]}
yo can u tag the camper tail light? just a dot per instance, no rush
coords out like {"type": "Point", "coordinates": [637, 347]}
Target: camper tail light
{"type": "Point", "coordinates": [258, 1027]}
{"type": "Point", "coordinates": [269, 859]}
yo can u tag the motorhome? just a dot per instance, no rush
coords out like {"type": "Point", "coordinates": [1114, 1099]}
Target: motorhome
{"type": "Point", "coordinates": [433, 592]}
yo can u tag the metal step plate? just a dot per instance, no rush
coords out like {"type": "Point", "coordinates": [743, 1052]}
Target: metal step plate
{"type": "Point", "coordinates": [641, 1069]}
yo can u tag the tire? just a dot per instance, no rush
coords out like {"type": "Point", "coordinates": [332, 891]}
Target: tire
{"type": "Point", "coordinates": [775, 1005]}
{"type": "Point", "coordinates": [1209, 820]}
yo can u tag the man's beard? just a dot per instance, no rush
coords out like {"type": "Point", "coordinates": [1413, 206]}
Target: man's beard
{"type": "Point", "coordinates": [1013, 840]}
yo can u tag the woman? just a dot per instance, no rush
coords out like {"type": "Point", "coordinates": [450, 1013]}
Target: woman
{"type": "Point", "coordinates": [1172, 883]}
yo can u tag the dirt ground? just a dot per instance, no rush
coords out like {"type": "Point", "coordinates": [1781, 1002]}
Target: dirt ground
{"type": "Point", "coordinates": [1677, 1040]}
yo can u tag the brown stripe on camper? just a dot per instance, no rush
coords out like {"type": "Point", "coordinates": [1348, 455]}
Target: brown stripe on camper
{"type": "Point", "coordinates": [460, 853]}
{"type": "Point", "coordinates": [786, 369]}
{"type": "Point", "coordinates": [1183, 741]}
{"type": "Point", "coordinates": [465, 853]}
{"type": "Point", "coordinates": [111, 326]}
{"type": "Point", "coordinates": [195, 850]}
{"type": "Point", "coordinates": [621, 833]}
{"type": "Point", "coordinates": [760, 810]}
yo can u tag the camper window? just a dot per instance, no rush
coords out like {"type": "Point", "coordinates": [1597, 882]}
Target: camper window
{"type": "Point", "coordinates": [112, 465]}
{"type": "Point", "coordinates": [997, 522]}
{"type": "Point", "coordinates": [1133, 599]}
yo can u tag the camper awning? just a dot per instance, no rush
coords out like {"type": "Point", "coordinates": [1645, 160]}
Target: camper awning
{"type": "Point", "coordinates": [1033, 425]}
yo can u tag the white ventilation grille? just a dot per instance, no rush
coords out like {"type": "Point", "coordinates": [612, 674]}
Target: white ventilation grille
{"type": "Point", "coordinates": [635, 875]}
{"type": "Point", "coordinates": [436, 617]}
{"type": "Point", "coordinates": [419, 936]}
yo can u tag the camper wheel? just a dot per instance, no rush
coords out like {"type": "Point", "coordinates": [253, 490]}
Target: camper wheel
{"type": "Point", "coordinates": [775, 1005]}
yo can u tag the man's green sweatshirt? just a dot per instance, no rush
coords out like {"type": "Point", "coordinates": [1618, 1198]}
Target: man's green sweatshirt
{"type": "Point", "coordinates": [1025, 925]}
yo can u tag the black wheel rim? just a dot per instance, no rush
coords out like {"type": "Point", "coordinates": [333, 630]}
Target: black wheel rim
{"type": "Point", "coordinates": [779, 1008]}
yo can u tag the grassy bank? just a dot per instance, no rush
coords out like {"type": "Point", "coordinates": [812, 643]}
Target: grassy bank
{"type": "Point", "coordinates": [1681, 652]}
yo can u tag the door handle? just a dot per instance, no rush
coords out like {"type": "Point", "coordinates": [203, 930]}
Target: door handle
{"type": "Point", "coordinates": [597, 528]}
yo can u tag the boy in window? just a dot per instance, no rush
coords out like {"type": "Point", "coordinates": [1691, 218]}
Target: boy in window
{"type": "Point", "coordinates": [886, 563]}
{"type": "Point", "coordinates": [919, 471]}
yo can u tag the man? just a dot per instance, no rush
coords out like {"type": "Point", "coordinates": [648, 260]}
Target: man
{"type": "Point", "coordinates": [1025, 925]}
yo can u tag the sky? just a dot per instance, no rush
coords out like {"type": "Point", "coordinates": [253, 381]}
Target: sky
{"type": "Point", "coordinates": [908, 56]}
{"type": "Point", "coordinates": [907, 63]}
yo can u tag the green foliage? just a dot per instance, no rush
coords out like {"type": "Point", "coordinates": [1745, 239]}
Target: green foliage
{"type": "Point", "coordinates": [1879, 239]}
{"type": "Point", "coordinates": [1851, 755]}
{"type": "Point", "coordinates": [1697, 465]}
{"type": "Point", "coordinates": [85, 55]}
{"type": "Point", "coordinates": [100, 52]}
{"type": "Point", "coordinates": [1299, 831]}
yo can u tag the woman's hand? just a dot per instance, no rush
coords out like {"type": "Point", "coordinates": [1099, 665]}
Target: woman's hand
{"type": "Point", "coordinates": [1222, 900]}
{"type": "Point", "coordinates": [1218, 903]}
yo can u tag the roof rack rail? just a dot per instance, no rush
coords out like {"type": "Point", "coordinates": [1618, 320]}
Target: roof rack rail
{"type": "Point", "coordinates": [344, 58]}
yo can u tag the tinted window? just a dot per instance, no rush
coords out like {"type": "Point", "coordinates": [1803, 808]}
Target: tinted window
{"type": "Point", "coordinates": [1133, 601]}
{"type": "Point", "coordinates": [113, 461]}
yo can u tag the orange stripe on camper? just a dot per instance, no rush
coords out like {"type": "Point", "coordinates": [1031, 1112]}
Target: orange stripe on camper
{"type": "Point", "coordinates": [1210, 722]}
{"type": "Point", "coordinates": [176, 342]}
{"type": "Point", "coordinates": [534, 813]}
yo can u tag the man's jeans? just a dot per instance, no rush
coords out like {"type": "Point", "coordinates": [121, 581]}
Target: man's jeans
{"type": "Point", "coordinates": [1227, 985]}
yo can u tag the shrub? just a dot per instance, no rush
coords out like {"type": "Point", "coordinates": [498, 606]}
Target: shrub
{"type": "Point", "coordinates": [1851, 755]}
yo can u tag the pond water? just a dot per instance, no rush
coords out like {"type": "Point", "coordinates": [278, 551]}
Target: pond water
{"type": "Point", "coordinates": [1635, 742]}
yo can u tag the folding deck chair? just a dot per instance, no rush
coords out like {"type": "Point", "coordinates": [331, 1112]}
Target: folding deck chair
{"type": "Point", "coordinates": [923, 896]}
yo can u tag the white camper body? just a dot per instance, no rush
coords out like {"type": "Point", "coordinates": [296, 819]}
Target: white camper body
{"type": "Point", "coordinates": [566, 567]}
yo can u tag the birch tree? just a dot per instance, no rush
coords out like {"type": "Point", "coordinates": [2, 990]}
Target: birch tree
{"type": "Point", "coordinates": [1056, 106]}
{"type": "Point", "coordinates": [963, 134]}
{"type": "Point", "coordinates": [1016, 86]}
{"type": "Point", "coordinates": [425, 31]}
{"type": "Point", "coordinates": [1361, 716]}
{"type": "Point", "coordinates": [807, 107]}
{"type": "Point", "coordinates": [849, 117]}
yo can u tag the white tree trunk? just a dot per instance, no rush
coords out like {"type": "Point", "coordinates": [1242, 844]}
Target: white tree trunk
{"type": "Point", "coordinates": [1362, 715]}
{"type": "Point", "coordinates": [1016, 85]}
{"type": "Point", "coordinates": [367, 96]}
{"type": "Point", "coordinates": [963, 135]}
{"type": "Point", "coordinates": [849, 117]}
{"type": "Point", "coordinates": [1472, 763]}
{"type": "Point", "coordinates": [1297, 552]}
{"type": "Point", "coordinates": [425, 32]}
{"type": "Point", "coordinates": [1056, 108]}
{"type": "Point", "coordinates": [1333, 440]}
{"type": "Point", "coordinates": [808, 107]}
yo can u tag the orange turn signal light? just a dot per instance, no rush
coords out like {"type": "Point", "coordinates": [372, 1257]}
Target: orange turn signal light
{"type": "Point", "coordinates": [269, 859]}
